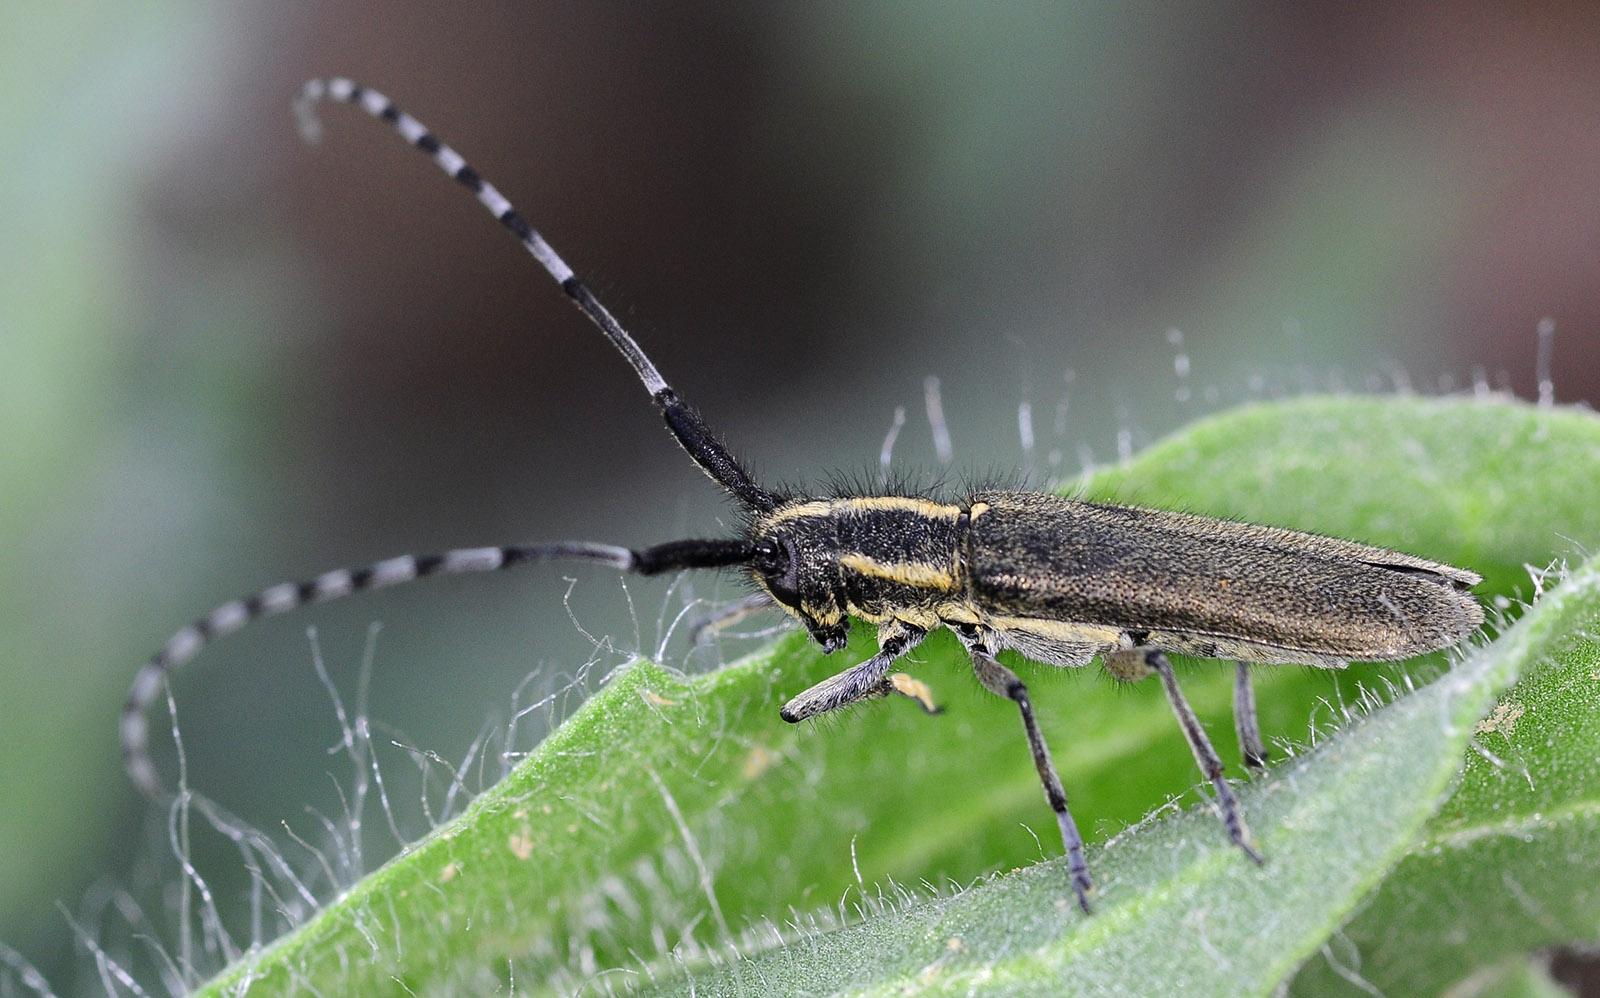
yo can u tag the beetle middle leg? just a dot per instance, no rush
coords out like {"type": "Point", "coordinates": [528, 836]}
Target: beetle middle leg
{"type": "Point", "coordinates": [1131, 664]}
{"type": "Point", "coordinates": [1001, 681]}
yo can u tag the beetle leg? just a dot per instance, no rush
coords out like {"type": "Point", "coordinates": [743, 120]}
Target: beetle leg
{"type": "Point", "coordinates": [1001, 681]}
{"type": "Point", "coordinates": [707, 626]}
{"type": "Point", "coordinates": [859, 682]}
{"type": "Point", "coordinates": [1130, 663]}
{"type": "Point", "coordinates": [1244, 719]}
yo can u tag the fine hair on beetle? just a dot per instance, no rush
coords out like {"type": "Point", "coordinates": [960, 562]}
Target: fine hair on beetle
{"type": "Point", "coordinates": [1060, 581]}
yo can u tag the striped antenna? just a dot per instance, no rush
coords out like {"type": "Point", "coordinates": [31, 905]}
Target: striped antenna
{"type": "Point", "coordinates": [683, 421]}
{"type": "Point", "coordinates": [233, 615]}
{"type": "Point", "coordinates": [686, 424]}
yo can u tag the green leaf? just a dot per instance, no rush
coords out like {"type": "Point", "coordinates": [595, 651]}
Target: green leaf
{"type": "Point", "coordinates": [1522, 977]}
{"type": "Point", "coordinates": [670, 812]}
{"type": "Point", "coordinates": [1183, 912]}
{"type": "Point", "coordinates": [1508, 865]}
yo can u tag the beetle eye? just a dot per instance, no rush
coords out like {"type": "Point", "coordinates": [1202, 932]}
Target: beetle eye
{"type": "Point", "coordinates": [778, 564]}
{"type": "Point", "coordinates": [770, 558]}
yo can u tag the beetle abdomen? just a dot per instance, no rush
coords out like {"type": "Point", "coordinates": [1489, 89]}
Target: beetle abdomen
{"type": "Point", "coordinates": [1180, 575]}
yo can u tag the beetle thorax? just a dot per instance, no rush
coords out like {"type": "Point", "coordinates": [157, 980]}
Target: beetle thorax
{"type": "Point", "coordinates": [870, 557]}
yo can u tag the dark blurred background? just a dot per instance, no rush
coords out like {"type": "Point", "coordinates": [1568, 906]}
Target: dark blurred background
{"type": "Point", "coordinates": [228, 359]}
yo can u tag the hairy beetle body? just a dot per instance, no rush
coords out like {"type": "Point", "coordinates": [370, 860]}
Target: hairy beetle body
{"type": "Point", "coordinates": [1059, 580]}
{"type": "Point", "coordinates": [1063, 580]}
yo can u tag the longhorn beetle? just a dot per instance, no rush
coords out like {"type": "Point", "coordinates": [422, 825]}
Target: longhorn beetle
{"type": "Point", "coordinates": [1059, 580]}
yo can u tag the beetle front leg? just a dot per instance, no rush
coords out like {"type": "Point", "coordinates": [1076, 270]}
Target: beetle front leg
{"type": "Point", "coordinates": [704, 627]}
{"type": "Point", "coordinates": [860, 682]}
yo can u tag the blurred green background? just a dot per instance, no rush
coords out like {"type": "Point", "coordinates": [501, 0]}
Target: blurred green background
{"type": "Point", "coordinates": [228, 359]}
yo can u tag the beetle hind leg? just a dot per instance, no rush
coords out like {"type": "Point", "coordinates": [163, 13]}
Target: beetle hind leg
{"type": "Point", "coordinates": [1245, 722]}
{"type": "Point", "coordinates": [1133, 663]}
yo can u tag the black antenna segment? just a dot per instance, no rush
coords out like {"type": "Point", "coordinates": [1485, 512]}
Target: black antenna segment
{"type": "Point", "coordinates": [684, 422]}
